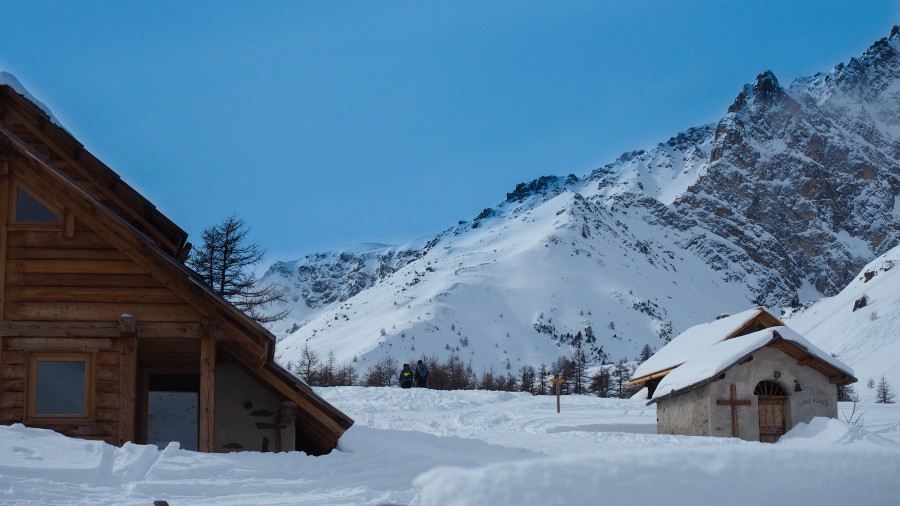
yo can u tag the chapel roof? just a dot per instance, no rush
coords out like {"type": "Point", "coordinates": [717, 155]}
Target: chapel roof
{"type": "Point", "coordinates": [708, 364]}
{"type": "Point", "coordinates": [701, 337]}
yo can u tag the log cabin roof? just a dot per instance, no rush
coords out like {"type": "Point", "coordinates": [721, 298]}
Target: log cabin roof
{"type": "Point", "coordinates": [65, 171]}
{"type": "Point", "coordinates": [33, 126]}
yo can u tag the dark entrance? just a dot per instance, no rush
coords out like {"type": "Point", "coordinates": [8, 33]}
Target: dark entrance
{"type": "Point", "coordinates": [173, 402]}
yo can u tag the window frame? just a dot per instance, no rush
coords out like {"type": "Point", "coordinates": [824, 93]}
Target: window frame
{"type": "Point", "coordinates": [31, 386]}
{"type": "Point", "coordinates": [14, 204]}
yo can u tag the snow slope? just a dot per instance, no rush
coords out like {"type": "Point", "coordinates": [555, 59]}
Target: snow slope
{"type": "Point", "coordinates": [778, 203]}
{"type": "Point", "coordinates": [427, 447]}
{"type": "Point", "coordinates": [868, 338]}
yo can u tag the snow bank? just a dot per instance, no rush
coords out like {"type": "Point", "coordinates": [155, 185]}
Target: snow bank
{"type": "Point", "coordinates": [422, 446]}
{"type": "Point", "coordinates": [828, 431]}
{"type": "Point", "coordinates": [735, 475]}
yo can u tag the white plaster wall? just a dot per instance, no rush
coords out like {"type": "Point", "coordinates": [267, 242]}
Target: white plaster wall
{"type": "Point", "coordinates": [817, 398]}
{"type": "Point", "coordinates": [241, 419]}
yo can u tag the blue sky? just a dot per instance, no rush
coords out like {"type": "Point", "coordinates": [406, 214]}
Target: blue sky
{"type": "Point", "coordinates": [326, 124]}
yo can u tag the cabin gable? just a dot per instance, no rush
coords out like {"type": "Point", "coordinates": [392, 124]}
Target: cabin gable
{"type": "Point", "coordinates": [105, 334]}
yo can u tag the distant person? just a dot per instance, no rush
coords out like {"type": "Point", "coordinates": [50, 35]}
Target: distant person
{"type": "Point", "coordinates": [406, 377]}
{"type": "Point", "coordinates": [421, 375]}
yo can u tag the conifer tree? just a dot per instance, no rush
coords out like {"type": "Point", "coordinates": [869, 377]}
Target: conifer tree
{"type": "Point", "coordinates": [884, 394]}
{"type": "Point", "coordinates": [225, 261]}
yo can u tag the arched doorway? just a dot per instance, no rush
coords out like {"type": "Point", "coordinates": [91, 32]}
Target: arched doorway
{"type": "Point", "coordinates": [771, 400]}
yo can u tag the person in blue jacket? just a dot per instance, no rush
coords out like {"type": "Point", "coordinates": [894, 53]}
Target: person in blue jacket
{"type": "Point", "coordinates": [421, 375]}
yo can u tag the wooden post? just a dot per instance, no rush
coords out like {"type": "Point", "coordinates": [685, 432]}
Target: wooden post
{"type": "Point", "coordinates": [207, 415]}
{"type": "Point", "coordinates": [734, 403]}
{"type": "Point", "coordinates": [556, 380]}
{"type": "Point", "coordinates": [127, 378]}
{"type": "Point", "coordinates": [5, 199]}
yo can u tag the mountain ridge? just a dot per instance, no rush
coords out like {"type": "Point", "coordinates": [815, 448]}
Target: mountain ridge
{"type": "Point", "coordinates": [780, 202]}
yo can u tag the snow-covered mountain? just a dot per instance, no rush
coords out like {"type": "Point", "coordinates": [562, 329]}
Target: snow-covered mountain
{"type": "Point", "coordinates": [861, 324]}
{"type": "Point", "coordinates": [782, 201]}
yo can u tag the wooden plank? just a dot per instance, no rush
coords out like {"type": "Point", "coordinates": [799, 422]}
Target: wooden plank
{"type": "Point", "coordinates": [83, 280]}
{"type": "Point", "coordinates": [107, 399]}
{"type": "Point", "coordinates": [4, 228]}
{"type": "Point", "coordinates": [99, 311]}
{"type": "Point", "coordinates": [73, 266]}
{"type": "Point", "coordinates": [13, 400]}
{"type": "Point", "coordinates": [65, 254]}
{"type": "Point", "coordinates": [59, 329]}
{"type": "Point", "coordinates": [107, 415]}
{"type": "Point", "coordinates": [207, 408]}
{"type": "Point", "coordinates": [108, 386]}
{"type": "Point", "coordinates": [180, 330]}
{"type": "Point", "coordinates": [61, 343]}
{"type": "Point", "coordinates": [22, 238]}
{"type": "Point", "coordinates": [91, 294]}
{"type": "Point", "coordinates": [128, 389]}
{"type": "Point", "coordinates": [68, 224]}
{"type": "Point", "coordinates": [12, 372]}
{"type": "Point", "coordinates": [13, 385]}
{"type": "Point", "coordinates": [14, 357]}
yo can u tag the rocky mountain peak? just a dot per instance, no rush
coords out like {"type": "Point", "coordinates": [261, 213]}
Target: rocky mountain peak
{"type": "Point", "coordinates": [764, 92]}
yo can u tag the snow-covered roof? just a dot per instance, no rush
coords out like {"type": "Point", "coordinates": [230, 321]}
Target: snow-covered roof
{"type": "Point", "coordinates": [10, 80]}
{"type": "Point", "coordinates": [709, 363]}
{"type": "Point", "coordinates": [696, 340]}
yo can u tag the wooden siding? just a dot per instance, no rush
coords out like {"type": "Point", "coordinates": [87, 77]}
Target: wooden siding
{"type": "Point", "coordinates": [52, 278]}
{"type": "Point", "coordinates": [103, 421]}
{"type": "Point", "coordinates": [65, 294]}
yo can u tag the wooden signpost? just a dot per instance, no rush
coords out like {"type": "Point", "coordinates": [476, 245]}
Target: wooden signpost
{"type": "Point", "coordinates": [556, 380]}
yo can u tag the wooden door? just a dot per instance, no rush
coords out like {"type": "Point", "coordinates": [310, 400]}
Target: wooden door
{"type": "Point", "coordinates": [771, 418]}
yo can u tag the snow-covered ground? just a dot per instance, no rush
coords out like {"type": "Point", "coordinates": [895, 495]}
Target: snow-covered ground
{"type": "Point", "coordinates": [475, 447]}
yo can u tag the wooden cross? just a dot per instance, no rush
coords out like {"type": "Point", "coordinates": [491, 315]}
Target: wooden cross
{"type": "Point", "coordinates": [734, 403]}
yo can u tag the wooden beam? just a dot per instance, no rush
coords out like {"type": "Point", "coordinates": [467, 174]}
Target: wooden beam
{"type": "Point", "coordinates": [68, 224]}
{"type": "Point", "coordinates": [734, 402]}
{"type": "Point", "coordinates": [127, 379]}
{"type": "Point", "coordinates": [5, 198]}
{"type": "Point", "coordinates": [805, 360]}
{"type": "Point", "coordinates": [207, 415]}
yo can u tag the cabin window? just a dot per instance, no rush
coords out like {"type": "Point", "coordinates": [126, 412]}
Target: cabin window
{"type": "Point", "coordinates": [30, 210]}
{"type": "Point", "coordinates": [60, 386]}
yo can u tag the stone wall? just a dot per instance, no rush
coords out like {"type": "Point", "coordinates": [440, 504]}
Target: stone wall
{"type": "Point", "coordinates": [686, 414]}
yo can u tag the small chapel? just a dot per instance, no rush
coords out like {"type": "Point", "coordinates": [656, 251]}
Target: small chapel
{"type": "Point", "coordinates": [746, 375]}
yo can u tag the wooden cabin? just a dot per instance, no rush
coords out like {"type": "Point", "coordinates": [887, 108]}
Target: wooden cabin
{"type": "Point", "coordinates": [741, 377]}
{"type": "Point", "coordinates": [105, 333]}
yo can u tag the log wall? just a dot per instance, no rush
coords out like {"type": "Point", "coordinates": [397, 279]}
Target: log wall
{"type": "Point", "coordinates": [68, 294]}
